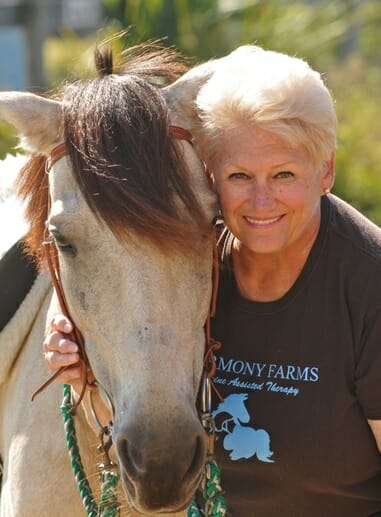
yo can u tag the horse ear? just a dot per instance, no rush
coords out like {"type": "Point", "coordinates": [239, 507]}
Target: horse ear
{"type": "Point", "coordinates": [181, 95]}
{"type": "Point", "coordinates": [181, 100]}
{"type": "Point", "coordinates": [36, 119]}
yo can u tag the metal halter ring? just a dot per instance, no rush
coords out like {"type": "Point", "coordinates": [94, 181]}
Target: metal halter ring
{"type": "Point", "coordinates": [106, 397]}
{"type": "Point", "coordinates": [206, 395]}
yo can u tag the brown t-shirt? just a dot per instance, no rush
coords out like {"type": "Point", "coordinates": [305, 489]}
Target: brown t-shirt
{"type": "Point", "coordinates": [300, 377]}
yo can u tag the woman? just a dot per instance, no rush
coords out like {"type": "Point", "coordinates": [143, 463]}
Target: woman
{"type": "Point", "coordinates": [299, 313]}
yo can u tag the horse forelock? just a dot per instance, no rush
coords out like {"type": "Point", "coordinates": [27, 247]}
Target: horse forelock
{"type": "Point", "coordinates": [126, 165]}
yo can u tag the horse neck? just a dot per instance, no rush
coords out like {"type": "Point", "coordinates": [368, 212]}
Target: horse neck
{"type": "Point", "coordinates": [13, 336]}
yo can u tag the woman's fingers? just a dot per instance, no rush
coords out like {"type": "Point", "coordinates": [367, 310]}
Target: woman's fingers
{"type": "Point", "coordinates": [60, 351]}
{"type": "Point", "coordinates": [56, 360]}
{"type": "Point", "coordinates": [61, 323]}
{"type": "Point", "coordinates": [56, 341]}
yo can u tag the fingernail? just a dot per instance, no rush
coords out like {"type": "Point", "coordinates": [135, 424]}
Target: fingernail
{"type": "Point", "coordinates": [67, 327]}
{"type": "Point", "coordinates": [73, 348]}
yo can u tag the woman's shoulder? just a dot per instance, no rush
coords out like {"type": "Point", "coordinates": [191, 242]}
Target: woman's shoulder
{"type": "Point", "coordinates": [354, 229]}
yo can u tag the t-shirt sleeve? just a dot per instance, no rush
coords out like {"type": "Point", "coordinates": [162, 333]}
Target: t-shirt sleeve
{"type": "Point", "coordinates": [368, 368]}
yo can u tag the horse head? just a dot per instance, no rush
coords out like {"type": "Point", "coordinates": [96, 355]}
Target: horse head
{"type": "Point", "coordinates": [130, 211]}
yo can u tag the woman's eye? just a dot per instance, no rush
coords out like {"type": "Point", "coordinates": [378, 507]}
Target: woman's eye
{"type": "Point", "coordinates": [239, 176]}
{"type": "Point", "coordinates": [284, 174]}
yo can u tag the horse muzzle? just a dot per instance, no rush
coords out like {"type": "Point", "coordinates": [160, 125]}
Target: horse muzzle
{"type": "Point", "coordinates": [161, 474]}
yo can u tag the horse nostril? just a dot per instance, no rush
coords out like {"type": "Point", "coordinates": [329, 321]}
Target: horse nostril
{"type": "Point", "coordinates": [198, 459]}
{"type": "Point", "coordinates": [124, 456]}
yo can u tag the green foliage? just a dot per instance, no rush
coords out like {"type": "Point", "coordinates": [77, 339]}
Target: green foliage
{"type": "Point", "coordinates": [209, 28]}
{"type": "Point", "coordinates": [359, 153]}
{"type": "Point", "coordinates": [369, 21]}
{"type": "Point", "coordinates": [69, 56]}
{"type": "Point", "coordinates": [8, 140]}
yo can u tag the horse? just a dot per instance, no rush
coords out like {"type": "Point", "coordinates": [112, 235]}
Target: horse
{"type": "Point", "coordinates": [129, 209]}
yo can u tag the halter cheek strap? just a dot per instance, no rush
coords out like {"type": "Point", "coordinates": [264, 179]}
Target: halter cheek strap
{"type": "Point", "coordinates": [179, 133]}
{"type": "Point", "coordinates": [56, 154]}
{"type": "Point", "coordinates": [211, 345]}
{"type": "Point", "coordinates": [51, 255]}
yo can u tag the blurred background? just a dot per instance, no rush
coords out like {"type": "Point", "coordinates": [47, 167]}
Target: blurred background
{"type": "Point", "coordinates": [44, 43]}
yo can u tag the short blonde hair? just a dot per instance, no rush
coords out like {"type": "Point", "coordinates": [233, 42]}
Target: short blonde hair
{"type": "Point", "coordinates": [276, 92]}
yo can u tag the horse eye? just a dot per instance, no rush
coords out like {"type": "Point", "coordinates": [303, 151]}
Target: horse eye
{"type": "Point", "coordinates": [68, 249]}
{"type": "Point", "coordinates": [62, 244]}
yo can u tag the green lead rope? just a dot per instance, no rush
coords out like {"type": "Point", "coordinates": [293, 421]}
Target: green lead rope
{"type": "Point", "coordinates": [214, 506]}
{"type": "Point", "coordinates": [108, 506]}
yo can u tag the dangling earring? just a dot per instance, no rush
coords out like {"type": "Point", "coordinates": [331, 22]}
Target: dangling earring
{"type": "Point", "coordinates": [326, 191]}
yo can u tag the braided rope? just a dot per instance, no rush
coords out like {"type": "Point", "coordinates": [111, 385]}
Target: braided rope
{"type": "Point", "coordinates": [215, 504]}
{"type": "Point", "coordinates": [75, 458]}
{"type": "Point", "coordinates": [109, 504]}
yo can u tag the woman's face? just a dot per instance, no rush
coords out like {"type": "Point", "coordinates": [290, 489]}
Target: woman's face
{"type": "Point", "coordinates": [269, 192]}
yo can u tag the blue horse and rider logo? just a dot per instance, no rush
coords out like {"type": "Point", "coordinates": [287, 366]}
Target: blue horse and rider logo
{"type": "Point", "coordinates": [243, 441]}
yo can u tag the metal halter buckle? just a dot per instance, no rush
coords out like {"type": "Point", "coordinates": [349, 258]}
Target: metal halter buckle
{"type": "Point", "coordinates": [207, 419]}
{"type": "Point", "coordinates": [106, 397]}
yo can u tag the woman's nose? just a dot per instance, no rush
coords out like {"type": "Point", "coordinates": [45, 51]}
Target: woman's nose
{"type": "Point", "coordinates": [261, 196]}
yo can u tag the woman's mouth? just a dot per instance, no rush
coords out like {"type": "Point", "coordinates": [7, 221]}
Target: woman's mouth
{"type": "Point", "coordinates": [263, 222]}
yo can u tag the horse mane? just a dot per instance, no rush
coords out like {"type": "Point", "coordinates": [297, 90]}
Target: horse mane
{"type": "Point", "coordinates": [128, 168]}
{"type": "Point", "coordinates": [32, 187]}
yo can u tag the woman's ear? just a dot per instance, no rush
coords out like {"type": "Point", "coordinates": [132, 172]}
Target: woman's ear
{"type": "Point", "coordinates": [210, 176]}
{"type": "Point", "coordinates": [328, 178]}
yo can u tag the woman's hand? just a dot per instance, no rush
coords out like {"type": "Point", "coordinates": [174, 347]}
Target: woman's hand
{"type": "Point", "coordinates": [60, 351]}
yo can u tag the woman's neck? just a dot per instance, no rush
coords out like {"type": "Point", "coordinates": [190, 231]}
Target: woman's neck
{"type": "Point", "coordinates": [268, 277]}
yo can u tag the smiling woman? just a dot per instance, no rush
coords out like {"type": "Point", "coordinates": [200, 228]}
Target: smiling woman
{"type": "Point", "coordinates": [299, 292]}
{"type": "Point", "coordinates": [272, 126]}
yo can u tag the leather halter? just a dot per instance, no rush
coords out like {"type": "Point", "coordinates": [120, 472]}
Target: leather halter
{"type": "Point", "coordinates": [58, 152]}
{"type": "Point", "coordinates": [51, 254]}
